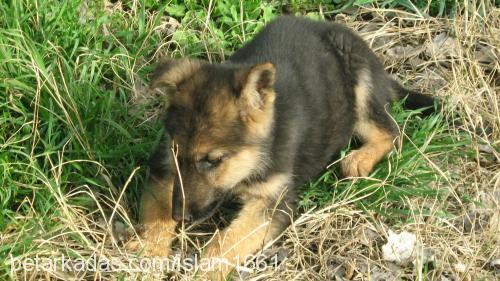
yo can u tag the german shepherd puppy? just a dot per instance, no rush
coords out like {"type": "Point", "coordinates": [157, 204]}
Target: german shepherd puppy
{"type": "Point", "coordinates": [260, 125]}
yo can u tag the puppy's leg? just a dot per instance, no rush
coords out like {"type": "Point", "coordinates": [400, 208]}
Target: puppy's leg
{"type": "Point", "coordinates": [377, 142]}
{"type": "Point", "coordinates": [373, 126]}
{"type": "Point", "coordinates": [156, 216]}
{"type": "Point", "coordinates": [259, 221]}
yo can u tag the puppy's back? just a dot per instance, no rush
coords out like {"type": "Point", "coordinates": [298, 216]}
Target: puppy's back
{"type": "Point", "coordinates": [315, 101]}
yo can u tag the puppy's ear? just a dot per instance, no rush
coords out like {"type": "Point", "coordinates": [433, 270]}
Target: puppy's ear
{"type": "Point", "coordinates": [255, 85]}
{"type": "Point", "coordinates": [255, 91]}
{"type": "Point", "coordinates": [171, 72]}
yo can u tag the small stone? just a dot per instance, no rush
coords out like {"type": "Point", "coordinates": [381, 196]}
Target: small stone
{"type": "Point", "coordinates": [459, 267]}
{"type": "Point", "coordinates": [400, 248]}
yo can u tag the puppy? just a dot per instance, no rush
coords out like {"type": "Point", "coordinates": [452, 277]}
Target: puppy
{"type": "Point", "coordinates": [262, 124]}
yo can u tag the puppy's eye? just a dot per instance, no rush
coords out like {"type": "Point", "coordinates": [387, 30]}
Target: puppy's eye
{"type": "Point", "coordinates": [211, 162]}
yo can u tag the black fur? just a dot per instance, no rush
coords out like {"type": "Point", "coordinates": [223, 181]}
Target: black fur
{"type": "Point", "coordinates": [414, 100]}
{"type": "Point", "coordinates": [315, 101]}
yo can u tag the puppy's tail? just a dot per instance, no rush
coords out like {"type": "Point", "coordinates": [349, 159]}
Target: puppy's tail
{"type": "Point", "coordinates": [414, 100]}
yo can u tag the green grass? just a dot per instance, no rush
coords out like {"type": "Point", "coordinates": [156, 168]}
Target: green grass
{"type": "Point", "coordinates": [65, 124]}
{"type": "Point", "coordinates": [67, 128]}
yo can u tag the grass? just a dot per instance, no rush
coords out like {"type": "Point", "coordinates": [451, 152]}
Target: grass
{"type": "Point", "coordinates": [75, 134]}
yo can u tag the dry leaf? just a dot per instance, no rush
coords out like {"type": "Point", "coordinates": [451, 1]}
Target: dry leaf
{"type": "Point", "coordinates": [335, 271]}
{"type": "Point", "coordinates": [110, 7]}
{"type": "Point", "coordinates": [377, 274]}
{"type": "Point", "coordinates": [399, 52]}
{"type": "Point", "coordinates": [443, 46]}
{"type": "Point", "coordinates": [486, 55]}
{"type": "Point", "coordinates": [474, 221]}
{"type": "Point", "coordinates": [430, 80]}
{"type": "Point", "coordinates": [168, 25]}
{"type": "Point", "coordinates": [84, 14]}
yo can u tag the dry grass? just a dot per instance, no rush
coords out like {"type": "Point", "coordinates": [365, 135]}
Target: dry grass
{"type": "Point", "coordinates": [340, 241]}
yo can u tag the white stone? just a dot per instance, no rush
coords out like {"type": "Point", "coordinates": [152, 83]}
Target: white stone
{"type": "Point", "coordinates": [400, 248]}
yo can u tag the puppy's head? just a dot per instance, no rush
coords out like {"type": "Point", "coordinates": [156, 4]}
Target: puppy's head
{"type": "Point", "coordinates": [219, 119]}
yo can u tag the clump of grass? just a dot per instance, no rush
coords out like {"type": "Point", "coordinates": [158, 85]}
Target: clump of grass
{"type": "Point", "coordinates": [67, 136]}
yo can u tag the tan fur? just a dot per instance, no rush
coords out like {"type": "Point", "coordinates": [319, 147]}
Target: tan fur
{"type": "Point", "coordinates": [253, 85]}
{"type": "Point", "coordinates": [377, 142]}
{"type": "Point", "coordinates": [250, 231]}
{"type": "Point", "coordinates": [232, 171]}
{"type": "Point", "coordinates": [238, 167]}
{"type": "Point", "coordinates": [259, 99]}
{"type": "Point", "coordinates": [159, 227]}
{"type": "Point", "coordinates": [260, 123]}
{"type": "Point", "coordinates": [362, 92]}
{"type": "Point", "coordinates": [270, 189]}
{"type": "Point", "coordinates": [183, 69]}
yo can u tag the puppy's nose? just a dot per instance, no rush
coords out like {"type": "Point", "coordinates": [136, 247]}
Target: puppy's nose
{"type": "Point", "coordinates": [178, 217]}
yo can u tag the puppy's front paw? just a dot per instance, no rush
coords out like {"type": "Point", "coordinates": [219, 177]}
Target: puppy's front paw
{"type": "Point", "coordinates": [149, 248]}
{"type": "Point", "coordinates": [155, 242]}
{"type": "Point", "coordinates": [358, 163]}
{"type": "Point", "coordinates": [217, 266]}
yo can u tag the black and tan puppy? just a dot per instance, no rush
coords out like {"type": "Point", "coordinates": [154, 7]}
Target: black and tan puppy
{"type": "Point", "coordinates": [260, 125]}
